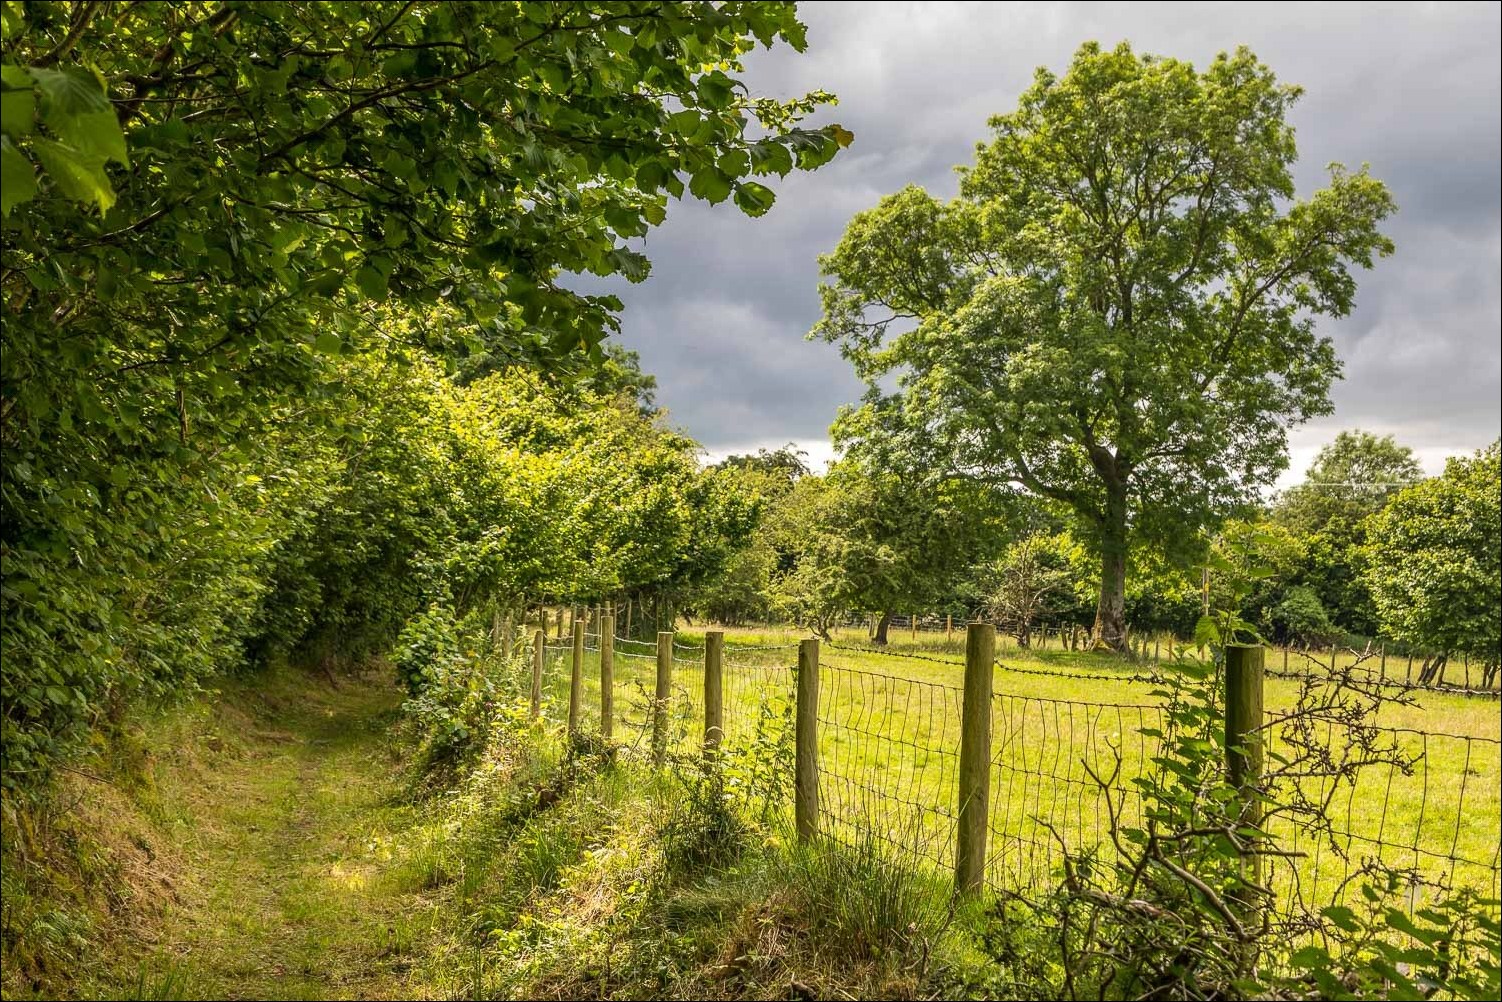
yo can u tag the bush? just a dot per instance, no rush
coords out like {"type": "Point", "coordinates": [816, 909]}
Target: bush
{"type": "Point", "coordinates": [702, 828]}
{"type": "Point", "coordinates": [427, 649]}
{"type": "Point", "coordinates": [1301, 617]}
{"type": "Point", "coordinates": [458, 701]}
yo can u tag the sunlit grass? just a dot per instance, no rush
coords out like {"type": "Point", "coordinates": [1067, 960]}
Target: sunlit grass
{"type": "Point", "coordinates": [889, 742]}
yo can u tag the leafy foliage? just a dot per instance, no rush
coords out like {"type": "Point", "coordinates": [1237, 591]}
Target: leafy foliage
{"type": "Point", "coordinates": [1434, 559]}
{"type": "Point", "coordinates": [870, 538]}
{"type": "Point", "coordinates": [1302, 619]}
{"type": "Point", "coordinates": [1117, 312]}
{"type": "Point", "coordinates": [245, 244]}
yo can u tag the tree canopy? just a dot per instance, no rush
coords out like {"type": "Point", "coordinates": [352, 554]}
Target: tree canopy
{"type": "Point", "coordinates": [1434, 560]}
{"type": "Point", "coordinates": [1118, 311]}
{"type": "Point", "coordinates": [242, 241]}
{"type": "Point", "coordinates": [1350, 478]}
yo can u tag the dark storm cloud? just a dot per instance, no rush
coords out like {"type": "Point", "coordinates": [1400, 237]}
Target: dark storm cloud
{"type": "Point", "coordinates": [1413, 90]}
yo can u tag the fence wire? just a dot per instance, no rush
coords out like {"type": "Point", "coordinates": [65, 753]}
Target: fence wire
{"type": "Point", "coordinates": [1043, 798]}
{"type": "Point", "coordinates": [889, 760]}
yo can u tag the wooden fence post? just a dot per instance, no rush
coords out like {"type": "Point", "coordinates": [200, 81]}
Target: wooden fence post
{"type": "Point", "coordinates": [538, 640]}
{"type": "Point", "coordinates": [1244, 752]}
{"type": "Point", "coordinates": [714, 691]}
{"type": "Point", "coordinates": [912, 621]}
{"type": "Point", "coordinates": [663, 694]}
{"type": "Point", "coordinates": [1382, 665]}
{"type": "Point", "coordinates": [806, 740]}
{"type": "Point", "coordinates": [506, 636]}
{"type": "Point", "coordinates": [975, 760]}
{"type": "Point", "coordinates": [948, 628]}
{"type": "Point", "coordinates": [576, 678]}
{"type": "Point", "coordinates": [607, 677]}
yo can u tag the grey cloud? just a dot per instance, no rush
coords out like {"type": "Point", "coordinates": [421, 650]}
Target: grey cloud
{"type": "Point", "coordinates": [1412, 89]}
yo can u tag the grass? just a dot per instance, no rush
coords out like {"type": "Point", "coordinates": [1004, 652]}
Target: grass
{"type": "Point", "coordinates": [889, 741]}
{"type": "Point", "coordinates": [263, 814]}
{"type": "Point", "coordinates": [274, 843]}
{"type": "Point", "coordinates": [301, 861]}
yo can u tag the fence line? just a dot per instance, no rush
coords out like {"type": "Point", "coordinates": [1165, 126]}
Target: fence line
{"type": "Point", "coordinates": [887, 754]}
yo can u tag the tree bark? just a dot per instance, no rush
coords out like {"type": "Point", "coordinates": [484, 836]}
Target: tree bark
{"type": "Point", "coordinates": [1110, 610]}
{"type": "Point", "coordinates": [881, 629]}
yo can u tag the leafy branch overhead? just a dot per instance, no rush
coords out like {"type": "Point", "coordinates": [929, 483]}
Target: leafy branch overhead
{"type": "Point", "coordinates": [286, 152]}
{"type": "Point", "coordinates": [213, 210]}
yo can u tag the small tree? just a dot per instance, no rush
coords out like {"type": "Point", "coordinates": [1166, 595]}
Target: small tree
{"type": "Point", "coordinates": [1032, 579]}
{"type": "Point", "coordinates": [1434, 563]}
{"type": "Point", "coordinates": [1350, 478]}
{"type": "Point", "coordinates": [1301, 618]}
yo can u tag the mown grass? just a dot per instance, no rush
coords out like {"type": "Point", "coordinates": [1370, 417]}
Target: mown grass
{"type": "Point", "coordinates": [889, 739]}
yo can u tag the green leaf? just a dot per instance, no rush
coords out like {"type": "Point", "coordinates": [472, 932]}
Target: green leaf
{"type": "Point", "coordinates": [76, 176]}
{"type": "Point", "coordinates": [68, 92]}
{"type": "Point", "coordinates": [1342, 917]}
{"type": "Point", "coordinates": [754, 199]}
{"type": "Point", "coordinates": [328, 343]}
{"type": "Point", "coordinates": [95, 134]}
{"type": "Point", "coordinates": [735, 162]}
{"type": "Point", "coordinates": [18, 181]}
{"type": "Point", "coordinates": [17, 102]}
{"type": "Point", "coordinates": [372, 282]}
{"type": "Point", "coordinates": [710, 184]}
{"type": "Point", "coordinates": [629, 263]}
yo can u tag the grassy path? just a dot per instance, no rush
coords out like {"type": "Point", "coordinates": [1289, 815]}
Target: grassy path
{"type": "Point", "coordinates": [287, 838]}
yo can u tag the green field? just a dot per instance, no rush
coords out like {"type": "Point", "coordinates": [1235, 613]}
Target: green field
{"type": "Point", "coordinates": [889, 743]}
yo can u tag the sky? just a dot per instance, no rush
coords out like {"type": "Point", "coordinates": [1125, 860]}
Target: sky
{"type": "Point", "coordinates": [1412, 89]}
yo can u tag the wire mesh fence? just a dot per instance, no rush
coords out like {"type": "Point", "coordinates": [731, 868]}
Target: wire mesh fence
{"type": "Point", "coordinates": [889, 761]}
{"type": "Point", "coordinates": [1044, 798]}
{"type": "Point", "coordinates": [889, 750]}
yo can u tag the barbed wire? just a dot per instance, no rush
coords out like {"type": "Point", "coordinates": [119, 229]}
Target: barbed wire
{"type": "Point", "coordinates": [950, 662]}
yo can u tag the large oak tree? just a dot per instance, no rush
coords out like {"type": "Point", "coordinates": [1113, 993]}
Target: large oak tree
{"type": "Point", "coordinates": [1118, 311]}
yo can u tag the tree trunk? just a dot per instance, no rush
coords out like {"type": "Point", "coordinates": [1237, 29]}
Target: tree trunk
{"type": "Point", "coordinates": [1110, 610]}
{"type": "Point", "coordinates": [881, 629]}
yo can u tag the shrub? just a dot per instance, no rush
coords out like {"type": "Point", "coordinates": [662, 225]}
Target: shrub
{"type": "Point", "coordinates": [702, 828]}
{"type": "Point", "coordinates": [1301, 617]}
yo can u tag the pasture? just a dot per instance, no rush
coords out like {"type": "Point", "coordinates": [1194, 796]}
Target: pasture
{"type": "Point", "coordinates": [889, 727]}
